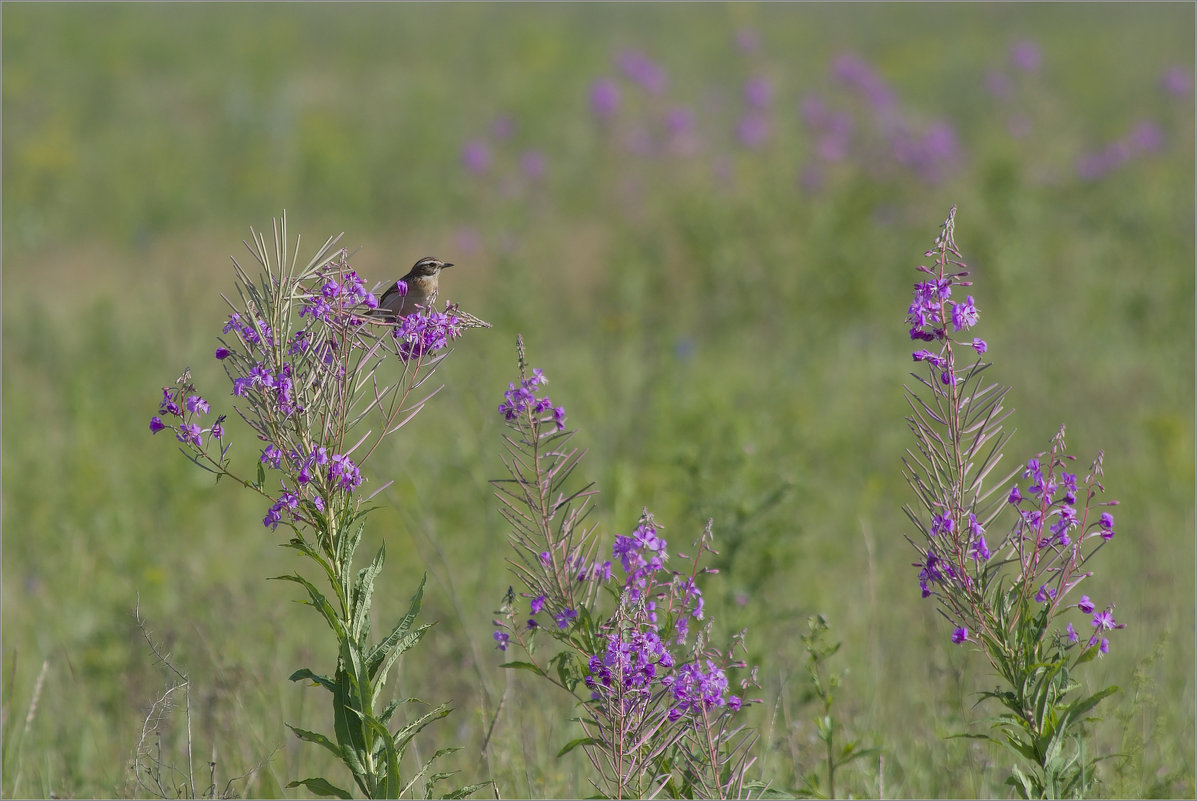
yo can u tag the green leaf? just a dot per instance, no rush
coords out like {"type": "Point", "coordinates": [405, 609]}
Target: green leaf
{"type": "Point", "coordinates": [321, 787]}
{"type": "Point", "coordinates": [404, 735]}
{"type": "Point", "coordinates": [396, 642]}
{"type": "Point", "coordinates": [523, 666]}
{"type": "Point", "coordinates": [347, 728]}
{"type": "Point", "coordinates": [306, 673]}
{"type": "Point", "coordinates": [467, 790]}
{"type": "Point", "coordinates": [363, 589]}
{"type": "Point", "coordinates": [319, 601]}
{"type": "Point", "coordinates": [1080, 707]}
{"type": "Point", "coordinates": [317, 738]}
{"type": "Point", "coordinates": [581, 741]}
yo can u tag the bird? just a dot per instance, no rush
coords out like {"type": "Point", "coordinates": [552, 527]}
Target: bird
{"type": "Point", "coordinates": [422, 282]}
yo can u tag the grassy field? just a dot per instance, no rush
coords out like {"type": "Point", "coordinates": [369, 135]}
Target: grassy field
{"type": "Point", "coordinates": [714, 274]}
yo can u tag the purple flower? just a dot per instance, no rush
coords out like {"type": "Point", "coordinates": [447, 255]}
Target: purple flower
{"type": "Point", "coordinates": [1104, 620]}
{"type": "Point", "coordinates": [758, 91]}
{"type": "Point", "coordinates": [753, 130]}
{"type": "Point", "coordinates": [941, 523]}
{"type": "Point", "coordinates": [960, 635]}
{"type": "Point", "coordinates": [642, 70]}
{"type": "Point", "coordinates": [1145, 137]}
{"type": "Point", "coordinates": [272, 456]}
{"type": "Point", "coordinates": [1107, 526]}
{"type": "Point", "coordinates": [197, 404]}
{"type": "Point", "coordinates": [1015, 496]}
{"type": "Point", "coordinates": [1071, 633]}
{"type": "Point", "coordinates": [345, 473]}
{"type": "Point", "coordinates": [502, 127]}
{"type": "Point", "coordinates": [748, 40]}
{"type": "Point", "coordinates": [189, 433]}
{"type": "Point", "coordinates": [980, 549]}
{"type": "Point", "coordinates": [980, 346]}
{"type": "Point", "coordinates": [1086, 605]}
{"type": "Point", "coordinates": [156, 425]}
{"type": "Point", "coordinates": [964, 315]}
{"type": "Point", "coordinates": [1178, 82]}
{"type": "Point", "coordinates": [532, 163]}
{"type": "Point", "coordinates": [501, 637]}
{"type": "Point", "coordinates": [1025, 55]}
{"type": "Point", "coordinates": [475, 155]}
{"type": "Point", "coordinates": [537, 604]}
{"type": "Point", "coordinates": [1045, 594]}
{"type": "Point", "coordinates": [288, 500]}
{"type": "Point", "coordinates": [222, 353]}
{"type": "Point", "coordinates": [604, 98]}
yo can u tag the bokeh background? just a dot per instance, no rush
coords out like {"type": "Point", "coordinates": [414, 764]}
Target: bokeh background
{"type": "Point", "coordinates": [705, 220]}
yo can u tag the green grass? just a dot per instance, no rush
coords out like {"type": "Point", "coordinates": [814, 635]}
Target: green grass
{"type": "Point", "coordinates": [729, 347]}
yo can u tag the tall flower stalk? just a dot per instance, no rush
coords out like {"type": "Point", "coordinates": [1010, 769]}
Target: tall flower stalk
{"type": "Point", "coordinates": [321, 383]}
{"type": "Point", "coordinates": [624, 632]}
{"type": "Point", "coordinates": [1011, 597]}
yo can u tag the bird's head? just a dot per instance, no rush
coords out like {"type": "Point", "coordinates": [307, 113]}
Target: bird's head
{"type": "Point", "coordinates": [429, 266]}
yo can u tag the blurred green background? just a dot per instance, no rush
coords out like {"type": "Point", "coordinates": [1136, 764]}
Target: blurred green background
{"type": "Point", "coordinates": [713, 270]}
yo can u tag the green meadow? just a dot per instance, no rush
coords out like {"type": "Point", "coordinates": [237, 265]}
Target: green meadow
{"type": "Point", "coordinates": [713, 273]}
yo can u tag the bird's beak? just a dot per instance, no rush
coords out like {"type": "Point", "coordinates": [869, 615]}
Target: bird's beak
{"type": "Point", "coordinates": [446, 264]}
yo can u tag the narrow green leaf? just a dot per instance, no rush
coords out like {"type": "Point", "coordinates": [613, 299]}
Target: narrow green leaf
{"type": "Point", "coordinates": [580, 741]}
{"type": "Point", "coordinates": [306, 673]}
{"type": "Point", "coordinates": [318, 601]}
{"type": "Point", "coordinates": [315, 737]}
{"type": "Point", "coordinates": [380, 652]}
{"type": "Point", "coordinates": [404, 735]}
{"type": "Point", "coordinates": [321, 787]}
{"type": "Point", "coordinates": [1079, 708]}
{"type": "Point", "coordinates": [346, 726]}
{"type": "Point", "coordinates": [363, 589]}
{"type": "Point", "coordinates": [523, 666]}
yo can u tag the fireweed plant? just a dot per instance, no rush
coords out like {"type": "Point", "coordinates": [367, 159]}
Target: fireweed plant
{"type": "Point", "coordinates": [617, 629]}
{"type": "Point", "coordinates": [1012, 598]}
{"type": "Point", "coordinates": [321, 384]}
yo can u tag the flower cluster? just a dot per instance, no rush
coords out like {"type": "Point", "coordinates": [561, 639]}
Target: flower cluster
{"type": "Point", "coordinates": [928, 317]}
{"type": "Point", "coordinates": [183, 407]}
{"type": "Point", "coordinates": [637, 655]}
{"type": "Point", "coordinates": [424, 333]}
{"type": "Point", "coordinates": [284, 366]}
{"type": "Point", "coordinates": [339, 293]}
{"type": "Point", "coordinates": [518, 400]}
{"type": "Point", "coordinates": [1052, 534]}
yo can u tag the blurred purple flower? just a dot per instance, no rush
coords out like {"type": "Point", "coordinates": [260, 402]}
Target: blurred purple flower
{"type": "Point", "coordinates": [679, 124]}
{"type": "Point", "coordinates": [853, 71]}
{"type": "Point", "coordinates": [642, 71]}
{"type": "Point", "coordinates": [1145, 137]}
{"type": "Point", "coordinates": [604, 98]}
{"type": "Point", "coordinates": [475, 155]}
{"type": "Point", "coordinates": [1025, 55]}
{"type": "Point", "coordinates": [532, 164]}
{"type": "Point", "coordinates": [832, 146]}
{"type": "Point", "coordinates": [758, 91]}
{"type": "Point", "coordinates": [679, 121]}
{"type": "Point", "coordinates": [502, 127]}
{"type": "Point", "coordinates": [748, 40]}
{"type": "Point", "coordinates": [1178, 82]}
{"type": "Point", "coordinates": [753, 130]}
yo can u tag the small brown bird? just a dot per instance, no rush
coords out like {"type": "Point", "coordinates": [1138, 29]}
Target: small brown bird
{"type": "Point", "coordinates": [423, 281]}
